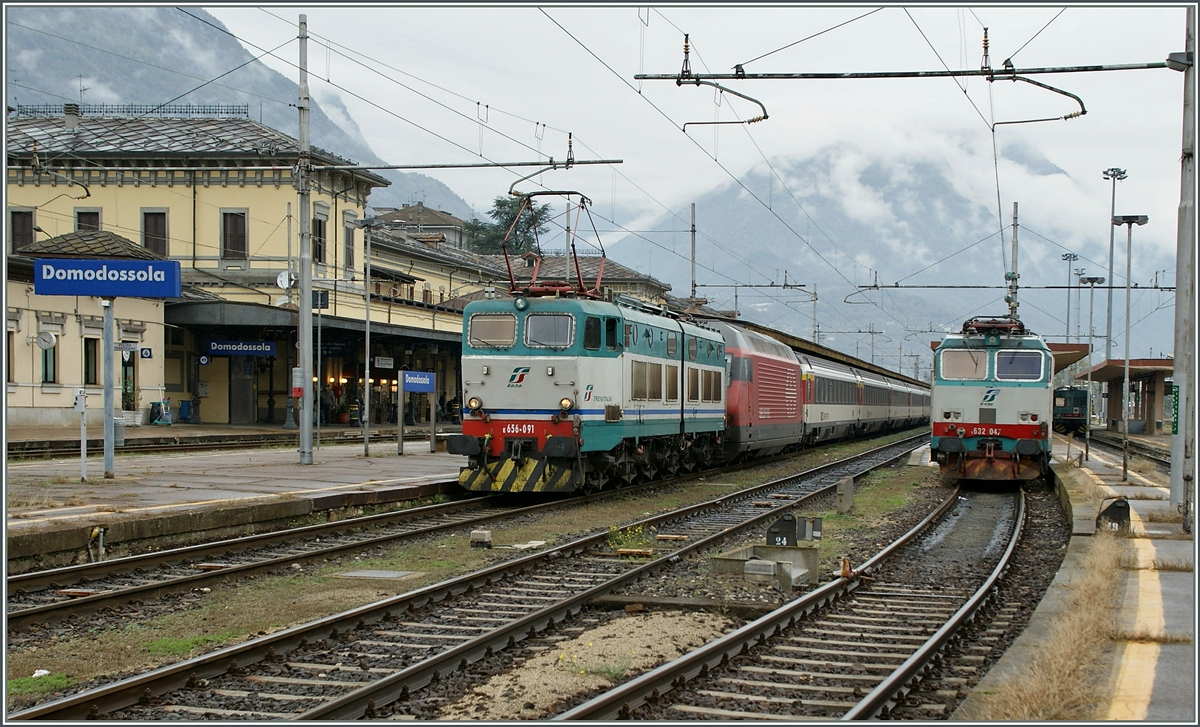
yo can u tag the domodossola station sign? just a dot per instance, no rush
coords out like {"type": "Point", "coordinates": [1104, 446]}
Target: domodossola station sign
{"type": "Point", "coordinates": [107, 278]}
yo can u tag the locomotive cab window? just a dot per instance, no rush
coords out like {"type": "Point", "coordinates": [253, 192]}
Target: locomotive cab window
{"type": "Point", "coordinates": [549, 330]}
{"type": "Point", "coordinates": [610, 334]}
{"type": "Point", "coordinates": [591, 333]}
{"type": "Point", "coordinates": [1019, 365]}
{"type": "Point", "coordinates": [492, 330]}
{"type": "Point", "coordinates": [964, 364]}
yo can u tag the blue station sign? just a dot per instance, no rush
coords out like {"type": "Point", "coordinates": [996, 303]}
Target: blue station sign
{"type": "Point", "coordinates": [241, 348]}
{"type": "Point", "coordinates": [418, 381]}
{"type": "Point", "coordinates": [107, 278]}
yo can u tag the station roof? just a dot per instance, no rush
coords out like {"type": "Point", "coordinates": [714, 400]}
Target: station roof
{"type": "Point", "coordinates": [1066, 354]}
{"type": "Point", "coordinates": [1114, 369]}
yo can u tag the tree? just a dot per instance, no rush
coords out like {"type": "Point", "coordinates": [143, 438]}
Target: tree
{"type": "Point", "coordinates": [486, 237]}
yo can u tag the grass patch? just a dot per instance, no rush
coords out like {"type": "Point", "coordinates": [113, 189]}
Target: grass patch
{"type": "Point", "coordinates": [1163, 516]}
{"type": "Point", "coordinates": [183, 646]}
{"type": "Point", "coordinates": [37, 686]}
{"type": "Point", "coordinates": [1063, 680]}
{"type": "Point", "coordinates": [1152, 637]}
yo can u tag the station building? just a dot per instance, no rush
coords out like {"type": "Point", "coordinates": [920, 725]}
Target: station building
{"type": "Point", "coordinates": [214, 190]}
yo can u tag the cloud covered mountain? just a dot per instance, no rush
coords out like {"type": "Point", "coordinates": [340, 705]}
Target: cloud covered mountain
{"type": "Point", "coordinates": [842, 219]}
{"type": "Point", "coordinates": [155, 55]}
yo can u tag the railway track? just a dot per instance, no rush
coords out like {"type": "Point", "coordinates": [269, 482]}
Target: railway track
{"type": "Point", "coordinates": [360, 662]}
{"type": "Point", "coordinates": [851, 649]}
{"type": "Point", "coordinates": [1113, 443]}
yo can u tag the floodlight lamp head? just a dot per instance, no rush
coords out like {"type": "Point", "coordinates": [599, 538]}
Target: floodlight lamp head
{"type": "Point", "coordinates": [1179, 61]}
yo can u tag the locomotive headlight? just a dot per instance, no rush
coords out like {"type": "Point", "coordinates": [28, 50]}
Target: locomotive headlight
{"type": "Point", "coordinates": [565, 404]}
{"type": "Point", "coordinates": [1024, 416]}
{"type": "Point", "coordinates": [474, 403]}
{"type": "Point", "coordinates": [1033, 417]}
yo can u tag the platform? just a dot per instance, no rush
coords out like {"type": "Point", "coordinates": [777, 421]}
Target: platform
{"type": "Point", "coordinates": [1148, 681]}
{"type": "Point", "coordinates": [172, 499]}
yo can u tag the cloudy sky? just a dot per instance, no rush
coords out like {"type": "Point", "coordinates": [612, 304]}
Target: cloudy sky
{"type": "Point", "coordinates": [447, 85]}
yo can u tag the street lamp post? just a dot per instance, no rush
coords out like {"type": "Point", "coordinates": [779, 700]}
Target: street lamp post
{"type": "Point", "coordinates": [1129, 221]}
{"type": "Point", "coordinates": [1115, 175]}
{"type": "Point", "coordinates": [1087, 432]}
{"type": "Point", "coordinates": [1069, 257]}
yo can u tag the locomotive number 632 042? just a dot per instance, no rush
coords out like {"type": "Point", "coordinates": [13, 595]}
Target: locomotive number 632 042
{"type": "Point", "coordinates": [984, 432]}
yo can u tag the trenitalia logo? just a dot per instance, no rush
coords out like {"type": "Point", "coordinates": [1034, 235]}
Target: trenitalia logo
{"type": "Point", "coordinates": [989, 396]}
{"type": "Point", "coordinates": [587, 393]}
{"type": "Point", "coordinates": [107, 278]}
{"type": "Point", "coordinates": [518, 375]}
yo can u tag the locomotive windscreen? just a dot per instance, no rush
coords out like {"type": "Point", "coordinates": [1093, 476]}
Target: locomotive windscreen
{"type": "Point", "coordinates": [496, 330]}
{"type": "Point", "coordinates": [1022, 365]}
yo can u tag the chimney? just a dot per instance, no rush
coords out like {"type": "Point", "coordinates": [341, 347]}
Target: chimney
{"type": "Point", "coordinates": [71, 114]}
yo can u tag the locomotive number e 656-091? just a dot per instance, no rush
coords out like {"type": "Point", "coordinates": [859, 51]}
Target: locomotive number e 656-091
{"type": "Point", "coordinates": [517, 428]}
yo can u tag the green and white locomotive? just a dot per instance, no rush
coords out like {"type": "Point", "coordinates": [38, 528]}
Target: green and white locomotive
{"type": "Point", "coordinates": [573, 393]}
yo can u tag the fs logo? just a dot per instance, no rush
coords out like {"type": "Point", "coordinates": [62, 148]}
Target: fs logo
{"type": "Point", "coordinates": [518, 375]}
{"type": "Point", "coordinates": [587, 393]}
{"type": "Point", "coordinates": [989, 396]}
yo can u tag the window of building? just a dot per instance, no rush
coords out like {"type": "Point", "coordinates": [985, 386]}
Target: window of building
{"type": "Point", "coordinates": [348, 258]}
{"type": "Point", "coordinates": [87, 219]}
{"type": "Point", "coordinates": [21, 226]}
{"type": "Point", "coordinates": [50, 365]}
{"type": "Point", "coordinates": [91, 361]}
{"type": "Point", "coordinates": [318, 240]}
{"type": "Point", "coordinates": [233, 235]}
{"type": "Point", "coordinates": [154, 231]}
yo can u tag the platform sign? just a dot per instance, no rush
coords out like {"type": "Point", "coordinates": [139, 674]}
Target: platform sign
{"type": "Point", "coordinates": [420, 382]}
{"type": "Point", "coordinates": [126, 346]}
{"type": "Point", "coordinates": [241, 348]}
{"type": "Point", "coordinates": [107, 278]}
{"type": "Point", "coordinates": [1174, 410]}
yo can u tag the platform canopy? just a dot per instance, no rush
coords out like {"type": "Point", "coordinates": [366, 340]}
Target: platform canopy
{"type": "Point", "coordinates": [1114, 370]}
{"type": "Point", "coordinates": [1066, 354]}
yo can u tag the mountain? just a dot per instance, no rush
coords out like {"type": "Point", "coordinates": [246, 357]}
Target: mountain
{"type": "Point", "coordinates": [880, 225]}
{"type": "Point", "coordinates": [155, 55]}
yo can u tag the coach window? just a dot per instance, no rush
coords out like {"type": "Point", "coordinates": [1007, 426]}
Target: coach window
{"type": "Point", "coordinates": [591, 333]}
{"type": "Point", "coordinates": [692, 348]}
{"type": "Point", "coordinates": [672, 383]}
{"type": "Point", "coordinates": [1019, 365]}
{"type": "Point", "coordinates": [637, 379]}
{"type": "Point", "coordinates": [693, 384]}
{"type": "Point", "coordinates": [610, 334]}
{"type": "Point", "coordinates": [964, 364]}
{"type": "Point", "coordinates": [549, 330]}
{"type": "Point", "coordinates": [492, 330]}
